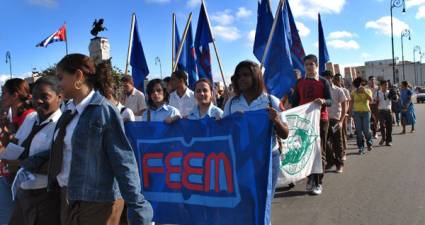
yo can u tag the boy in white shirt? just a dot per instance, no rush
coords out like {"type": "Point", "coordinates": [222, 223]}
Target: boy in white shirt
{"type": "Point", "coordinates": [383, 101]}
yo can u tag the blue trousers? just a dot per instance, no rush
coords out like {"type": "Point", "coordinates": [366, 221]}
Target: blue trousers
{"type": "Point", "coordinates": [362, 121]}
{"type": "Point", "coordinates": [6, 203]}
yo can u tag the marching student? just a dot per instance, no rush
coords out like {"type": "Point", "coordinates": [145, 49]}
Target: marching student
{"type": "Point", "coordinates": [383, 100]}
{"type": "Point", "coordinates": [34, 205]}
{"type": "Point", "coordinates": [374, 116]}
{"type": "Point", "coordinates": [359, 105]}
{"type": "Point", "coordinates": [314, 88]}
{"type": "Point", "coordinates": [337, 111]}
{"type": "Point", "coordinates": [204, 98]}
{"type": "Point", "coordinates": [347, 119]}
{"type": "Point", "coordinates": [158, 108]}
{"type": "Point", "coordinates": [17, 97]}
{"type": "Point", "coordinates": [182, 98]}
{"type": "Point", "coordinates": [408, 116]}
{"type": "Point", "coordinates": [107, 89]}
{"type": "Point", "coordinates": [91, 160]}
{"type": "Point", "coordinates": [133, 98]}
{"type": "Point", "coordinates": [250, 95]}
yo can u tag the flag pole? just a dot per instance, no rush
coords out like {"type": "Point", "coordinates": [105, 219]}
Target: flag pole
{"type": "Point", "coordinates": [173, 42]}
{"type": "Point", "coordinates": [179, 51]}
{"type": "Point", "coordinates": [66, 39]}
{"type": "Point", "coordinates": [215, 47]}
{"type": "Point", "coordinates": [130, 41]}
{"type": "Point", "coordinates": [269, 41]}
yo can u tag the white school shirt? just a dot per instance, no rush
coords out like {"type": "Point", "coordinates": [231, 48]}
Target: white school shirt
{"type": "Point", "coordinates": [41, 142]}
{"type": "Point", "coordinates": [384, 102]}
{"type": "Point", "coordinates": [184, 104]}
{"type": "Point", "coordinates": [135, 101]}
{"type": "Point", "coordinates": [127, 114]}
{"type": "Point", "coordinates": [239, 104]}
{"type": "Point", "coordinates": [338, 98]}
{"type": "Point", "coordinates": [63, 176]}
{"type": "Point", "coordinates": [160, 114]}
{"type": "Point", "coordinates": [213, 112]}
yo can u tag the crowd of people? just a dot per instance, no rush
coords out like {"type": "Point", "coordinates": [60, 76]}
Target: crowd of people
{"type": "Point", "coordinates": [78, 167]}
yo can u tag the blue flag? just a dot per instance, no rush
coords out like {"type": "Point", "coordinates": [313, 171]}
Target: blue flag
{"type": "Point", "coordinates": [204, 171]}
{"type": "Point", "coordinates": [203, 38]}
{"type": "Point", "coordinates": [279, 75]}
{"type": "Point", "coordinates": [138, 63]}
{"type": "Point", "coordinates": [297, 49]}
{"type": "Point", "coordinates": [264, 26]}
{"type": "Point", "coordinates": [323, 50]}
{"type": "Point", "coordinates": [187, 61]}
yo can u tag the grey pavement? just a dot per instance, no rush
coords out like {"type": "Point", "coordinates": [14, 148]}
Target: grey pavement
{"type": "Point", "coordinates": [384, 187]}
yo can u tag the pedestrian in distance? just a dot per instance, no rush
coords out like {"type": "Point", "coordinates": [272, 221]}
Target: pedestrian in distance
{"type": "Point", "coordinates": [383, 99]}
{"type": "Point", "coordinates": [359, 105]}
{"type": "Point", "coordinates": [408, 116]}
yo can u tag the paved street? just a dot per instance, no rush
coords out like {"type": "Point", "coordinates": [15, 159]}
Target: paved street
{"type": "Point", "coordinates": [383, 187]}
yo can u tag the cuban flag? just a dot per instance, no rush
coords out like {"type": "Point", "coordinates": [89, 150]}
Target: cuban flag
{"type": "Point", "coordinates": [59, 35]}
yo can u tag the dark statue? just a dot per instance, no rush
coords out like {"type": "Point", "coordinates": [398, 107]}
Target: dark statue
{"type": "Point", "coordinates": [97, 27]}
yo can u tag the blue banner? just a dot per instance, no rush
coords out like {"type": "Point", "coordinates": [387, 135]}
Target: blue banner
{"type": "Point", "coordinates": [206, 171]}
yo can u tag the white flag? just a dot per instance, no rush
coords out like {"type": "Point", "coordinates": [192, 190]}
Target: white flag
{"type": "Point", "coordinates": [301, 155]}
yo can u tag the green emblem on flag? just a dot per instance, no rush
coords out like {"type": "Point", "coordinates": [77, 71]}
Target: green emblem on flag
{"type": "Point", "coordinates": [298, 147]}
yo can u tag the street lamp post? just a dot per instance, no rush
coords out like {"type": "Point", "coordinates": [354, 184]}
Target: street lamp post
{"type": "Point", "coordinates": [420, 66]}
{"type": "Point", "coordinates": [404, 33]}
{"type": "Point", "coordinates": [9, 60]}
{"type": "Point", "coordinates": [415, 49]}
{"type": "Point", "coordinates": [395, 4]}
{"type": "Point", "coordinates": [158, 61]}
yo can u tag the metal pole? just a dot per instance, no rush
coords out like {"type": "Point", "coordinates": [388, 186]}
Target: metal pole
{"type": "Point", "coordinates": [392, 44]}
{"type": "Point", "coordinates": [215, 48]}
{"type": "Point", "coordinates": [181, 45]}
{"type": "Point", "coordinates": [398, 4]}
{"type": "Point", "coordinates": [130, 42]}
{"type": "Point", "coordinates": [269, 41]}
{"type": "Point", "coordinates": [414, 67]}
{"type": "Point", "coordinates": [404, 33]}
{"type": "Point", "coordinates": [420, 67]}
{"type": "Point", "coordinates": [402, 56]}
{"type": "Point", "coordinates": [66, 39]}
{"type": "Point", "coordinates": [173, 42]}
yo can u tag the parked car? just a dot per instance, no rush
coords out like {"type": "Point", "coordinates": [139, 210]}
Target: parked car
{"type": "Point", "coordinates": [420, 95]}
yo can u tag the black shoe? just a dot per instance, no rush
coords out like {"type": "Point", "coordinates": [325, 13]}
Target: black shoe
{"type": "Point", "coordinates": [369, 148]}
{"type": "Point", "coordinates": [389, 144]}
{"type": "Point", "coordinates": [381, 142]}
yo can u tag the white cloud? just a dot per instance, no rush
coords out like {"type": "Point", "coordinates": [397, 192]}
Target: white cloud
{"type": "Point", "coordinates": [303, 30]}
{"type": "Point", "coordinates": [243, 12]}
{"type": "Point", "coordinates": [383, 25]}
{"type": "Point", "coordinates": [223, 18]}
{"type": "Point", "coordinates": [350, 44]}
{"type": "Point", "coordinates": [340, 34]}
{"type": "Point", "coordinates": [310, 8]}
{"type": "Point", "coordinates": [251, 36]}
{"type": "Point", "coordinates": [421, 12]}
{"type": "Point", "coordinates": [193, 3]}
{"type": "Point", "coordinates": [412, 3]}
{"type": "Point", "coordinates": [44, 3]}
{"type": "Point", "coordinates": [227, 33]}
